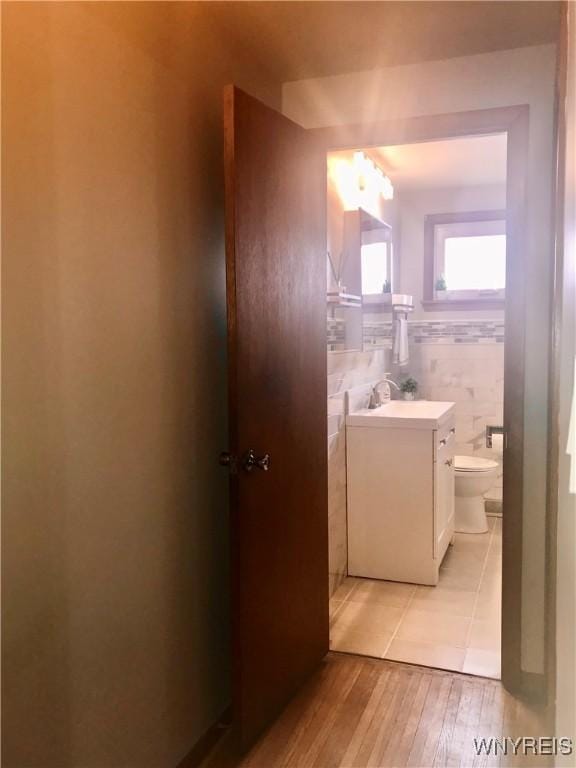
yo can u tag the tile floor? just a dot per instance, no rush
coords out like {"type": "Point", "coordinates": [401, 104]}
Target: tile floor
{"type": "Point", "coordinates": [454, 626]}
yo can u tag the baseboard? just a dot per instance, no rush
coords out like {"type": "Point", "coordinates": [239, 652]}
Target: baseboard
{"type": "Point", "coordinates": [530, 687]}
{"type": "Point", "coordinates": [207, 741]}
{"type": "Point", "coordinates": [493, 508]}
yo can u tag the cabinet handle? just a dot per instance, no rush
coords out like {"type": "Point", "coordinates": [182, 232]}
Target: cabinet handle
{"type": "Point", "coordinates": [453, 431]}
{"type": "Point", "coordinates": [448, 462]}
{"type": "Point", "coordinates": [443, 441]}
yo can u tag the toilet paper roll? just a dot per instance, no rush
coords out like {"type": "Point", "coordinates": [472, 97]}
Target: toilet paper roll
{"type": "Point", "coordinates": [498, 443]}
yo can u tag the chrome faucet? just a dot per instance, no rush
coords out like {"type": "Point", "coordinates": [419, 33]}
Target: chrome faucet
{"type": "Point", "coordinates": [377, 398]}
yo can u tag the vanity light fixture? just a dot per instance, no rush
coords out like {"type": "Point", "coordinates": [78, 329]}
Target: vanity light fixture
{"type": "Point", "coordinates": [368, 174]}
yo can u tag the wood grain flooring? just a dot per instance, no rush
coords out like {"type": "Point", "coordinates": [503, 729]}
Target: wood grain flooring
{"type": "Point", "coordinates": [358, 712]}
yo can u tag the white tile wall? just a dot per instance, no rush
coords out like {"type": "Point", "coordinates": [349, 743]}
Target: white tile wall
{"type": "Point", "coordinates": [350, 376]}
{"type": "Point", "coordinates": [471, 375]}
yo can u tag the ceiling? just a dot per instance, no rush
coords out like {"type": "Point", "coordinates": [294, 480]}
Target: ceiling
{"type": "Point", "coordinates": [467, 162]}
{"type": "Point", "coordinates": [296, 40]}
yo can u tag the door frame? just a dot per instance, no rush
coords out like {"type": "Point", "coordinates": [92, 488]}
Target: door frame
{"type": "Point", "coordinates": [555, 363]}
{"type": "Point", "coordinates": [514, 122]}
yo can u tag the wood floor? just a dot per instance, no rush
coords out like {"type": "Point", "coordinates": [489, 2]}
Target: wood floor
{"type": "Point", "coordinates": [359, 713]}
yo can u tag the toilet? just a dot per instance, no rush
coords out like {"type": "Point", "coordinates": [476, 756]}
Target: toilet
{"type": "Point", "coordinates": [473, 477]}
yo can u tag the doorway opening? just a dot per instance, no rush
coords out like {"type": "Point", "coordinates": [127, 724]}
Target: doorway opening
{"type": "Point", "coordinates": [419, 265]}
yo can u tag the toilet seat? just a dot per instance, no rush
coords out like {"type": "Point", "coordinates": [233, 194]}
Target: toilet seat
{"type": "Point", "coordinates": [473, 464]}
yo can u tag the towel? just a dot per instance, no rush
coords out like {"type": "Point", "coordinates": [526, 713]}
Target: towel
{"type": "Point", "coordinates": [400, 352]}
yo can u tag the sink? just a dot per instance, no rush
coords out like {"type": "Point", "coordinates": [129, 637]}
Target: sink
{"type": "Point", "coordinates": [415, 414]}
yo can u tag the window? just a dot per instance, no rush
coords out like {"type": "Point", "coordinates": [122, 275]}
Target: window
{"type": "Point", "coordinates": [475, 262]}
{"type": "Point", "coordinates": [465, 258]}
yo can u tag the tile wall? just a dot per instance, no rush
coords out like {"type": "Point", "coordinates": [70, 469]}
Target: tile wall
{"type": "Point", "coordinates": [335, 333]}
{"type": "Point", "coordinates": [460, 361]}
{"type": "Point", "coordinates": [378, 332]}
{"type": "Point", "coordinates": [471, 375]}
{"type": "Point", "coordinates": [350, 376]}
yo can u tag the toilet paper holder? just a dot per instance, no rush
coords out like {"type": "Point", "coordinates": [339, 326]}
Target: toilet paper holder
{"type": "Point", "coordinates": [491, 431]}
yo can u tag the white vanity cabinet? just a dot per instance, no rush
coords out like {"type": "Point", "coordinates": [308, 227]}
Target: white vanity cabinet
{"type": "Point", "coordinates": [400, 485]}
{"type": "Point", "coordinates": [443, 489]}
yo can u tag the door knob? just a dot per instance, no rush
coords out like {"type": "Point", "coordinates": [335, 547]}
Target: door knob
{"type": "Point", "coordinates": [250, 461]}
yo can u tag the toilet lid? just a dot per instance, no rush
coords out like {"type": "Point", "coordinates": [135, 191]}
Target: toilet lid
{"type": "Point", "coordinates": [474, 463]}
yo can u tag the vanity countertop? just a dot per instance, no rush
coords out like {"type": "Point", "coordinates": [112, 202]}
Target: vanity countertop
{"type": "Point", "coordinates": [414, 414]}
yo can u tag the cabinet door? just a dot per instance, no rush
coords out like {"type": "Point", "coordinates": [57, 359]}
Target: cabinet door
{"type": "Point", "coordinates": [444, 498]}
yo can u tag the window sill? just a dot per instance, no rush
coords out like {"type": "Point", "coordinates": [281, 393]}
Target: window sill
{"type": "Point", "coordinates": [443, 305]}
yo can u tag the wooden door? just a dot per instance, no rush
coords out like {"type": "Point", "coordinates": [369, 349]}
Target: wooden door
{"type": "Point", "coordinates": [275, 175]}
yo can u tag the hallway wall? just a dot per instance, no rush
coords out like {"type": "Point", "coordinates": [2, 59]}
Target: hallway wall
{"type": "Point", "coordinates": [115, 645]}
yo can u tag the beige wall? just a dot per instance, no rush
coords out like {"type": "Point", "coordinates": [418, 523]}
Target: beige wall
{"type": "Point", "coordinates": [503, 78]}
{"type": "Point", "coordinates": [114, 533]}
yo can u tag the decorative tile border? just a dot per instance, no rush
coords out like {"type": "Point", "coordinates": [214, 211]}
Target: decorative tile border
{"type": "Point", "coordinates": [457, 331]}
{"type": "Point", "coordinates": [438, 332]}
{"type": "Point", "coordinates": [335, 333]}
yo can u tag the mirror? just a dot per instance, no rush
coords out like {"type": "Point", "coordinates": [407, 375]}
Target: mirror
{"type": "Point", "coordinates": [376, 257]}
{"type": "Point", "coordinates": [363, 276]}
{"type": "Point", "coordinates": [360, 213]}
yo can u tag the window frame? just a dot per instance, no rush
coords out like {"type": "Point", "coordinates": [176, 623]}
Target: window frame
{"type": "Point", "coordinates": [433, 259]}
